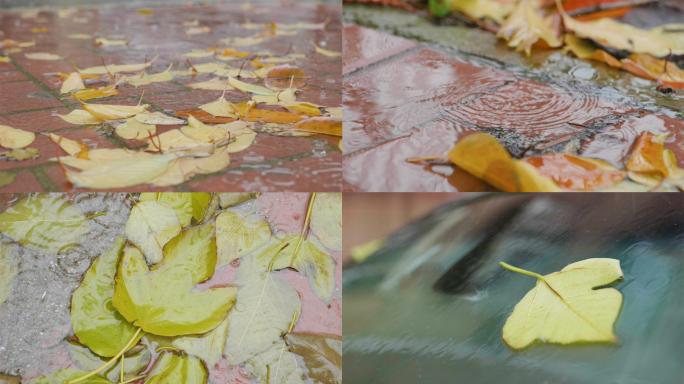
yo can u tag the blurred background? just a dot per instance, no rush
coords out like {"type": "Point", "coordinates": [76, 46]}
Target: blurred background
{"type": "Point", "coordinates": [133, 3]}
{"type": "Point", "coordinates": [370, 216]}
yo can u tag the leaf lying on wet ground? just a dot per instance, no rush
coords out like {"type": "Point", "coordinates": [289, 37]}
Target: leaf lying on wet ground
{"type": "Point", "coordinates": [121, 173]}
{"type": "Point", "coordinates": [173, 367]}
{"type": "Point", "coordinates": [577, 173]}
{"type": "Point", "coordinates": [163, 301]}
{"type": "Point", "coordinates": [150, 226]}
{"type": "Point", "coordinates": [276, 365]}
{"type": "Point", "coordinates": [136, 361]}
{"type": "Point", "coordinates": [45, 223]}
{"type": "Point", "coordinates": [93, 300]}
{"type": "Point", "coordinates": [524, 27]}
{"type": "Point", "coordinates": [186, 205]}
{"type": "Point", "coordinates": [67, 374]}
{"type": "Point", "coordinates": [8, 270]}
{"type": "Point", "coordinates": [652, 165]}
{"type": "Point", "coordinates": [238, 234]}
{"type": "Point", "coordinates": [322, 355]}
{"type": "Point", "coordinates": [13, 138]}
{"type": "Point", "coordinates": [551, 312]}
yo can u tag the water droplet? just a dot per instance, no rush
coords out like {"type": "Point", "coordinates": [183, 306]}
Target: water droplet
{"type": "Point", "coordinates": [582, 72]}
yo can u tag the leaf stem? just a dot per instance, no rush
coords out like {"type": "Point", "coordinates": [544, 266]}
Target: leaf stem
{"type": "Point", "coordinates": [122, 368]}
{"type": "Point", "coordinates": [294, 317]}
{"type": "Point", "coordinates": [133, 379]}
{"type": "Point", "coordinates": [270, 265]}
{"type": "Point", "coordinates": [94, 216]}
{"type": "Point", "coordinates": [429, 158]}
{"type": "Point", "coordinates": [306, 227]}
{"type": "Point", "coordinates": [115, 358]}
{"type": "Point", "coordinates": [524, 272]}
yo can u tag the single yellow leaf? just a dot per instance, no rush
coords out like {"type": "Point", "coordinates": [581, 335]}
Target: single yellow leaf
{"type": "Point", "coordinates": [649, 67]}
{"type": "Point", "coordinates": [286, 70]}
{"type": "Point", "coordinates": [42, 56]}
{"type": "Point", "coordinates": [310, 110]}
{"type": "Point", "coordinates": [175, 141]}
{"type": "Point", "coordinates": [216, 84]}
{"type": "Point", "coordinates": [80, 117]}
{"type": "Point", "coordinates": [72, 147]}
{"type": "Point", "coordinates": [150, 226]}
{"type": "Point", "coordinates": [220, 107]}
{"type": "Point", "coordinates": [157, 118]}
{"type": "Point", "coordinates": [95, 93]}
{"type": "Point", "coordinates": [5, 59]}
{"type": "Point", "coordinates": [202, 132]}
{"type": "Point", "coordinates": [132, 129]}
{"type": "Point", "coordinates": [121, 173]}
{"type": "Point", "coordinates": [14, 138]}
{"type": "Point", "coordinates": [325, 52]}
{"type": "Point", "coordinates": [251, 88]}
{"type": "Point", "coordinates": [103, 41]}
{"type": "Point", "coordinates": [183, 169]}
{"type": "Point", "coordinates": [239, 233]}
{"type": "Point", "coordinates": [325, 125]}
{"type": "Point", "coordinates": [73, 83]}
{"type": "Point", "coordinates": [586, 50]}
{"type": "Point", "coordinates": [23, 154]}
{"type": "Point", "coordinates": [483, 9]}
{"type": "Point", "coordinates": [524, 27]}
{"type": "Point", "coordinates": [576, 173]}
{"type": "Point", "coordinates": [114, 112]}
{"type": "Point", "coordinates": [564, 307]}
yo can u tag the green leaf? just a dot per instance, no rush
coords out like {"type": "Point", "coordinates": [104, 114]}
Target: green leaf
{"type": "Point", "coordinates": [277, 365]}
{"type": "Point", "coordinates": [439, 8]}
{"type": "Point", "coordinates": [186, 205]}
{"type": "Point", "coordinates": [322, 355]}
{"type": "Point", "coordinates": [95, 321]}
{"type": "Point", "coordinates": [8, 270]}
{"type": "Point", "coordinates": [239, 233]}
{"type": "Point", "coordinates": [177, 368]}
{"type": "Point", "coordinates": [311, 260]}
{"type": "Point", "coordinates": [326, 220]}
{"type": "Point", "coordinates": [6, 178]}
{"type": "Point", "coordinates": [564, 307]}
{"type": "Point", "coordinates": [266, 308]}
{"type": "Point", "coordinates": [44, 223]}
{"type": "Point", "coordinates": [151, 225]}
{"type": "Point", "coordinates": [85, 359]}
{"type": "Point", "coordinates": [163, 301]}
{"type": "Point", "coordinates": [208, 347]}
{"type": "Point", "coordinates": [232, 199]}
{"type": "Point", "coordinates": [68, 374]}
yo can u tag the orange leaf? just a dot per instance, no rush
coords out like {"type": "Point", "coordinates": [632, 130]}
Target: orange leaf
{"type": "Point", "coordinates": [203, 116]}
{"type": "Point", "coordinates": [93, 93]}
{"type": "Point", "coordinates": [324, 125]}
{"type": "Point", "coordinates": [268, 116]}
{"type": "Point", "coordinates": [576, 173]}
{"type": "Point", "coordinates": [285, 70]}
{"type": "Point", "coordinates": [649, 67]}
{"type": "Point", "coordinates": [648, 155]}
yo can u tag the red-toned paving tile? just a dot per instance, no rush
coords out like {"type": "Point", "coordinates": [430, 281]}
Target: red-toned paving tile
{"type": "Point", "coordinates": [23, 96]}
{"type": "Point", "coordinates": [321, 174]}
{"type": "Point", "coordinates": [267, 147]}
{"type": "Point", "coordinates": [38, 121]}
{"type": "Point", "coordinates": [6, 76]}
{"type": "Point", "coordinates": [384, 167]}
{"type": "Point", "coordinates": [364, 46]}
{"type": "Point", "coordinates": [536, 110]}
{"type": "Point", "coordinates": [24, 181]}
{"type": "Point", "coordinates": [614, 143]}
{"type": "Point", "coordinates": [387, 101]}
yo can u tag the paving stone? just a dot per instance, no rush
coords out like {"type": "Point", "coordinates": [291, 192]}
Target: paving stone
{"type": "Point", "coordinates": [387, 101]}
{"type": "Point", "coordinates": [24, 95]}
{"type": "Point", "coordinates": [24, 181]}
{"type": "Point", "coordinates": [365, 46]}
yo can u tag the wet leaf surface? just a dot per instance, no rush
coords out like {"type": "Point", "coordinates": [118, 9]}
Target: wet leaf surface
{"type": "Point", "coordinates": [177, 368]}
{"type": "Point", "coordinates": [322, 355]}
{"type": "Point", "coordinates": [151, 225]}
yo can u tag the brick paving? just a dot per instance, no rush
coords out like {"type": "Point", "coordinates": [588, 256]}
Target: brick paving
{"type": "Point", "coordinates": [405, 99]}
{"type": "Point", "coordinates": [30, 100]}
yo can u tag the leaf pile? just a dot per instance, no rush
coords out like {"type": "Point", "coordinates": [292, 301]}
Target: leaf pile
{"type": "Point", "coordinates": [526, 24]}
{"type": "Point", "coordinates": [139, 315]}
{"type": "Point", "coordinates": [649, 167]}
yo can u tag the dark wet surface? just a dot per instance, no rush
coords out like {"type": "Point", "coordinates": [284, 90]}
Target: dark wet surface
{"type": "Point", "coordinates": [430, 307]}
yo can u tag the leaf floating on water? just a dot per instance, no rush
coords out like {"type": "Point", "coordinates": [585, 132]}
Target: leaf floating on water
{"type": "Point", "coordinates": [322, 355]}
{"type": "Point", "coordinates": [551, 312]}
{"type": "Point", "coordinates": [227, 200]}
{"type": "Point", "coordinates": [42, 56]}
{"type": "Point", "coordinates": [276, 365]}
{"type": "Point", "coordinates": [208, 347]}
{"type": "Point", "coordinates": [163, 301]}
{"type": "Point", "coordinates": [8, 270]}
{"type": "Point", "coordinates": [238, 234]}
{"type": "Point", "coordinates": [80, 117]}
{"type": "Point", "coordinates": [576, 173]}
{"type": "Point", "coordinates": [186, 205]}
{"type": "Point", "coordinates": [310, 260]}
{"type": "Point", "coordinates": [93, 300]}
{"type": "Point", "coordinates": [85, 359]}
{"type": "Point", "coordinates": [45, 223]}
{"type": "Point", "coordinates": [150, 226]}
{"type": "Point", "coordinates": [267, 304]}
{"type": "Point", "coordinates": [73, 83]}
{"type": "Point", "coordinates": [67, 374]}
{"type": "Point", "coordinates": [121, 173]}
{"type": "Point", "coordinates": [176, 368]}
{"type": "Point", "coordinates": [14, 138]}
{"type": "Point", "coordinates": [524, 27]}
{"type": "Point", "coordinates": [324, 125]}
{"type": "Point", "coordinates": [326, 220]}
{"type": "Point", "coordinates": [325, 52]}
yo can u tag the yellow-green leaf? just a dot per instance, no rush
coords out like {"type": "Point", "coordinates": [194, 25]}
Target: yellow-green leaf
{"type": "Point", "coordinates": [186, 205]}
{"type": "Point", "coordinates": [137, 359]}
{"type": "Point", "coordinates": [326, 220]}
{"type": "Point", "coordinates": [177, 368]}
{"type": "Point", "coordinates": [239, 233]}
{"type": "Point", "coordinates": [322, 355]}
{"type": "Point", "coordinates": [276, 365]}
{"type": "Point", "coordinates": [150, 226]}
{"type": "Point", "coordinates": [8, 270]}
{"type": "Point", "coordinates": [564, 307]}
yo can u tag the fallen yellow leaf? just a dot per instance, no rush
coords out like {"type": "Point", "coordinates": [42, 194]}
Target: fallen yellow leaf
{"type": "Point", "coordinates": [133, 129]}
{"type": "Point", "coordinates": [14, 138]}
{"type": "Point", "coordinates": [284, 70]}
{"type": "Point", "coordinates": [80, 117]}
{"type": "Point", "coordinates": [95, 93]}
{"type": "Point", "coordinates": [586, 50]}
{"type": "Point", "coordinates": [524, 27]}
{"type": "Point", "coordinates": [121, 173]}
{"type": "Point", "coordinates": [72, 147]}
{"type": "Point", "coordinates": [103, 41]}
{"type": "Point", "coordinates": [325, 52]}
{"type": "Point", "coordinates": [73, 83]}
{"type": "Point", "coordinates": [649, 67]}
{"type": "Point", "coordinates": [576, 173]}
{"type": "Point", "coordinates": [42, 56]}
{"type": "Point", "coordinates": [551, 312]}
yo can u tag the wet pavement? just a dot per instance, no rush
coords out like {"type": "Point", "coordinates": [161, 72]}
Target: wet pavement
{"type": "Point", "coordinates": [413, 88]}
{"type": "Point", "coordinates": [30, 100]}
